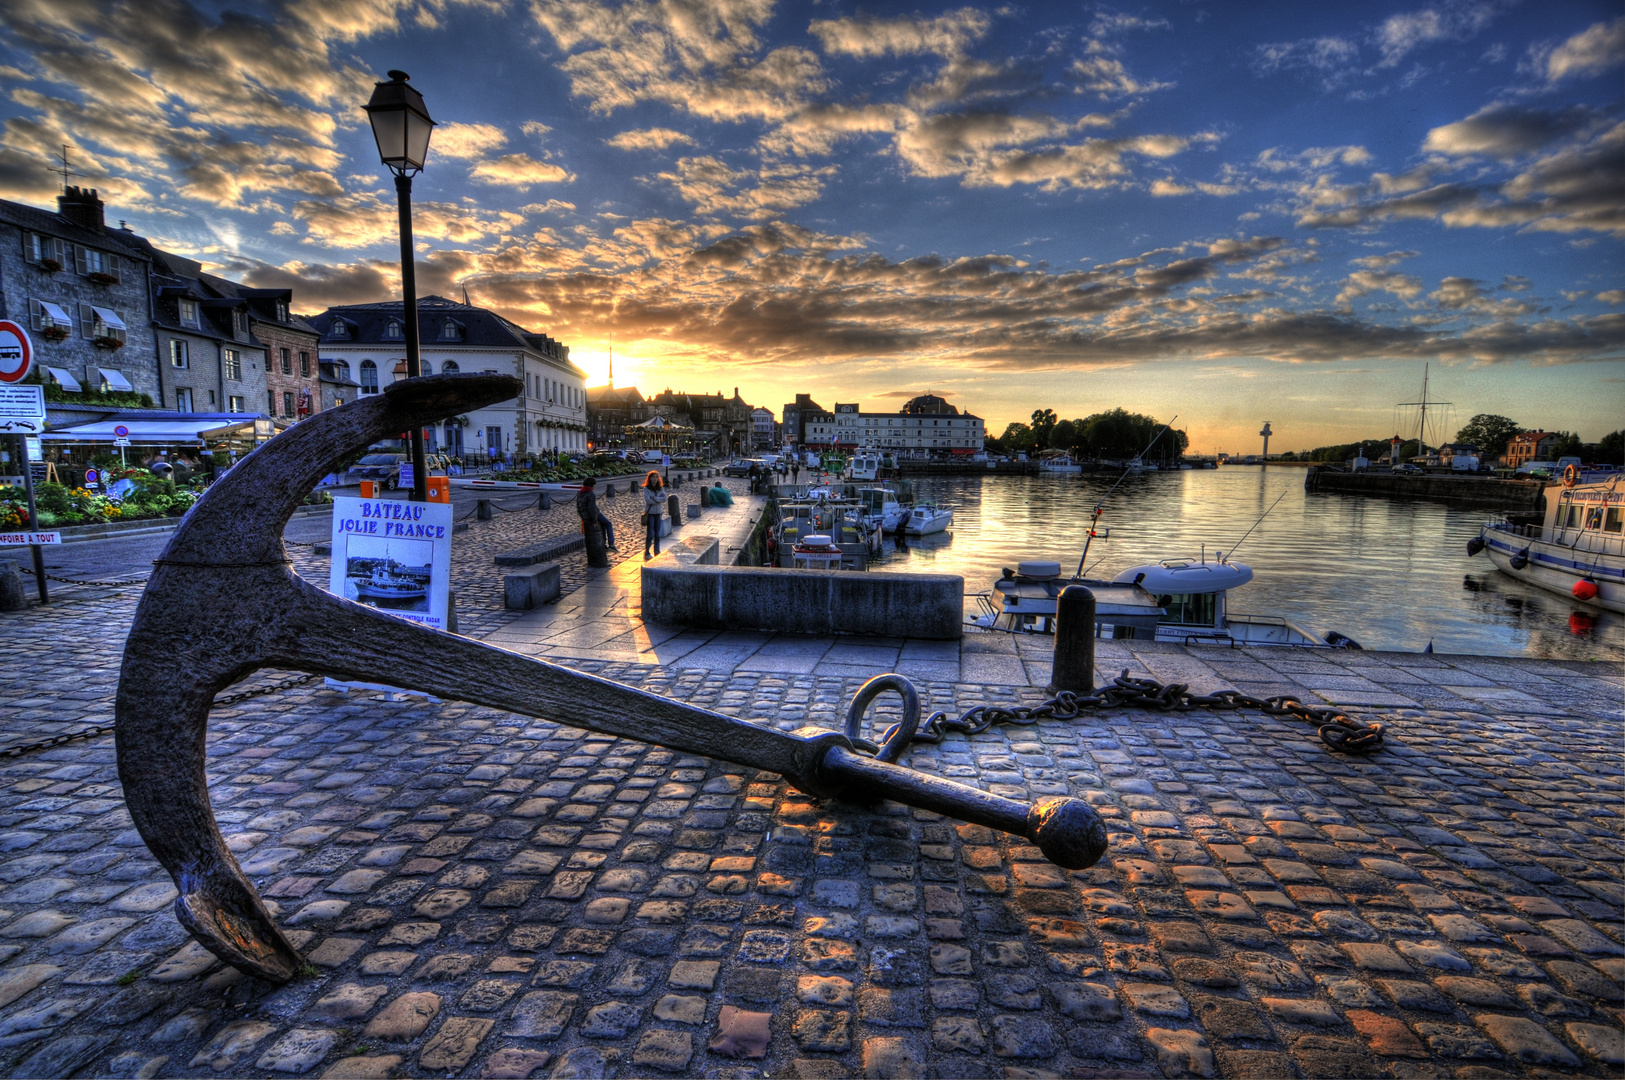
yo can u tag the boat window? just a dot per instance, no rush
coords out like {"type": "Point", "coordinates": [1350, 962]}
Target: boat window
{"type": "Point", "coordinates": [1573, 517]}
{"type": "Point", "coordinates": [1189, 609]}
{"type": "Point", "coordinates": [1614, 521]}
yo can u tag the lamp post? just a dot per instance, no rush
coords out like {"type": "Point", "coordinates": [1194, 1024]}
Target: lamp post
{"type": "Point", "coordinates": [401, 125]}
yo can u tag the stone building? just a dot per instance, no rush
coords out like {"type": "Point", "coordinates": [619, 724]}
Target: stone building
{"type": "Point", "coordinates": [81, 291]}
{"type": "Point", "coordinates": [292, 370]}
{"type": "Point", "coordinates": [722, 425]}
{"type": "Point", "coordinates": [926, 427]}
{"type": "Point", "coordinates": [763, 428]}
{"type": "Point", "coordinates": [1529, 446]}
{"type": "Point", "coordinates": [610, 411]}
{"type": "Point", "coordinates": [364, 346]}
{"type": "Point", "coordinates": [792, 424]}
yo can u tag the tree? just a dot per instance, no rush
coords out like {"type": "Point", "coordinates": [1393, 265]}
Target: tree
{"type": "Point", "coordinates": [1016, 438]}
{"type": "Point", "coordinates": [1567, 445]}
{"type": "Point", "coordinates": [1044, 421]}
{"type": "Point", "coordinates": [1490, 433]}
{"type": "Point", "coordinates": [1611, 449]}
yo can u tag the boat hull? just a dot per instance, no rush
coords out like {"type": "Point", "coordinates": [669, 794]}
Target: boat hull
{"type": "Point", "coordinates": [913, 526]}
{"type": "Point", "coordinates": [1556, 567]}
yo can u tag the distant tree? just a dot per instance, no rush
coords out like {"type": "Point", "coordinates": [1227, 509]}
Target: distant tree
{"type": "Point", "coordinates": [1490, 433]}
{"type": "Point", "coordinates": [1066, 435]}
{"type": "Point", "coordinates": [1044, 421]}
{"type": "Point", "coordinates": [1567, 445]}
{"type": "Point", "coordinates": [1611, 449]}
{"type": "Point", "coordinates": [1017, 437]}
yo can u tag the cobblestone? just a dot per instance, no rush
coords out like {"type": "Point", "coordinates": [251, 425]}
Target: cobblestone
{"type": "Point", "coordinates": [497, 896]}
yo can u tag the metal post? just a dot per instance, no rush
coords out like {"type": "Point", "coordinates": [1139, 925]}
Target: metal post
{"type": "Point", "coordinates": [409, 315]}
{"type": "Point", "coordinates": [1074, 666]}
{"type": "Point", "coordinates": [33, 525]}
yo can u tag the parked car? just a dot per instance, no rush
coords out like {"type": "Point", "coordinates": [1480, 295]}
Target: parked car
{"type": "Point", "coordinates": [1407, 469]}
{"type": "Point", "coordinates": [384, 467]}
{"type": "Point", "coordinates": [653, 457]}
{"type": "Point", "coordinates": [738, 467]}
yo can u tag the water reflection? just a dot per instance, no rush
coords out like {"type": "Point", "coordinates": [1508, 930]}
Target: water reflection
{"type": "Point", "coordinates": [1390, 574]}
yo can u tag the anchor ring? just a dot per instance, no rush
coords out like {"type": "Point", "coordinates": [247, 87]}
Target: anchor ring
{"type": "Point", "coordinates": [895, 739]}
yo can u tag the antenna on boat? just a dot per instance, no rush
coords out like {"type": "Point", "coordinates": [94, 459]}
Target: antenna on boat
{"type": "Point", "coordinates": [1100, 506]}
{"type": "Point", "coordinates": [1256, 524]}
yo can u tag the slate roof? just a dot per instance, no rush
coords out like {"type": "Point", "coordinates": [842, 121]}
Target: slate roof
{"type": "Point", "coordinates": [480, 328]}
{"type": "Point", "coordinates": [51, 223]}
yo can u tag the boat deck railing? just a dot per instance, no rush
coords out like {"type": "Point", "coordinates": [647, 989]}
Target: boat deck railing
{"type": "Point", "coordinates": [1572, 537]}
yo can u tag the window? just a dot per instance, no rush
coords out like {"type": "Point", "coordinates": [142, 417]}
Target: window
{"type": "Point", "coordinates": [287, 403]}
{"type": "Point", "coordinates": [304, 365]}
{"type": "Point", "coordinates": [231, 366]}
{"type": "Point", "coordinates": [281, 311]}
{"type": "Point", "coordinates": [450, 331]}
{"type": "Point", "coordinates": [183, 399]}
{"type": "Point", "coordinates": [46, 316]}
{"type": "Point", "coordinates": [93, 263]}
{"type": "Point", "coordinates": [188, 312]}
{"type": "Point", "coordinates": [1193, 609]}
{"type": "Point", "coordinates": [101, 324]}
{"type": "Point", "coordinates": [179, 354]}
{"type": "Point", "coordinates": [1613, 521]}
{"type": "Point", "coordinates": [392, 330]}
{"type": "Point", "coordinates": [270, 402]}
{"type": "Point", "coordinates": [234, 404]}
{"type": "Point", "coordinates": [287, 362]}
{"type": "Point", "coordinates": [369, 377]}
{"type": "Point", "coordinates": [239, 324]}
{"type": "Point", "coordinates": [44, 249]}
{"type": "Point", "coordinates": [449, 368]}
{"type": "Point", "coordinates": [338, 329]}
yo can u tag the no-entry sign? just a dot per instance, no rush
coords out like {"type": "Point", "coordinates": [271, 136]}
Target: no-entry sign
{"type": "Point", "coordinates": [16, 352]}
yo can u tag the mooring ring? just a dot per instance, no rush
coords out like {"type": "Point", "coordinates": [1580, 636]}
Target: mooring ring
{"type": "Point", "coordinates": [895, 739]}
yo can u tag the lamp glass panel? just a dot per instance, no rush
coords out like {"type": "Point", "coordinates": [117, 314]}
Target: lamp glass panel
{"type": "Point", "coordinates": [389, 129]}
{"type": "Point", "coordinates": [417, 138]}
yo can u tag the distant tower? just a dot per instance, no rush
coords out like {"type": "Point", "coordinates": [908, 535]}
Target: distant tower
{"type": "Point", "coordinates": [1266, 433]}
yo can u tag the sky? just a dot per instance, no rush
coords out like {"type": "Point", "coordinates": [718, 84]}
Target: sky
{"type": "Point", "coordinates": [1231, 213]}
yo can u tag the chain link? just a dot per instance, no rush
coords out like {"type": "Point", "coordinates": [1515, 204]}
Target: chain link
{"type": "Point", "coordinates": [29, 570]}
{"type": "Point", "coordinates": [56, 740]}
{"type": "Point", "coordinates": [1336, 729]}
{"type": "Point", "coordinates": [285, 684]}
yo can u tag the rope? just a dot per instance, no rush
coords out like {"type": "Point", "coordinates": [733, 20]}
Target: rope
{"type": "Point", "coordinates": [1336, 729]}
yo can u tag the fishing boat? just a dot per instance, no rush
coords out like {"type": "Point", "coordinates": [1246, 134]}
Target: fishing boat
{"type": "Point", "coordinates": [926, 518]}
{"type": "Point", "coordinates": [392, 581]}
{"type": "Point", "coordinates": [1057, 464]}
{"type": "Point", "coordinates": [1577, 551]}
{"type": "Point", "coordinates": [881, 509]}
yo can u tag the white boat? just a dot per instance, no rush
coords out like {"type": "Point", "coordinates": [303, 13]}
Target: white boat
{"type": "Point", "coordinates": [925, 519]}
{"type": "Point", "coordinates": [1178, 600]}
{"type": "Point", "coordinates": [881, 509]}
{"type": "Point", "coordinates": [1578, 551]}
{"type": "Point", "coordinates": [1057, 465]}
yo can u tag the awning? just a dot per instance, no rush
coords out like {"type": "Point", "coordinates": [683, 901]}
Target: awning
{"type": "Point", "coordinates": [154, 431]}
{"type": "Point", "coordinates": [55, 313]}
{"type": "Point", "coordinates": [109, 317]}
{"type": "Point", "coordinates": [65, 380]}
{"type": "Point", "coordinates": [115, 378]}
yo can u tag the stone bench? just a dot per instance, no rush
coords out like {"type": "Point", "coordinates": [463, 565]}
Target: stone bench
{"type": "Point", "coordinates": [678, 592]}
{"type": "Point", "coordinates": [546, 551]}
{"type": "Point", "coordinates": [531, 588]}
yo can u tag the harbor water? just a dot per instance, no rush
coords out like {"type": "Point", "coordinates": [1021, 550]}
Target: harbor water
{"type": "Point", "coordinates": [1391, 574]}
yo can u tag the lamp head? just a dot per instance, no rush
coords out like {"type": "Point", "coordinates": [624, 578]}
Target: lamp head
{"type": "Point", "coordinates": [400, 123]}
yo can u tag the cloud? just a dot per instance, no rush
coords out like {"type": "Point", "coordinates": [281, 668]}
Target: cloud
{"type": "Point", "coordinates": [357, 221]}
{"type": "Point", "coordinates": [715, 188]}
{"type": "Point", "coordinates": [519, 171]}
{"type": "Point", "coordinates": [318, 286]}
{"type": "Point", "coordinates": [1460, 294]}
{"type": "Point", "coordinates": [1364, 282]}
{"type": "Point", "coordinates": [1590, 52]}
{"type": "Point", "coordinates": [1506, 131]}
{"type": "Point", "coordinates": [466, 140]}
{"type": "Point", "coordinates": [1612, 296]}
{"type": "Point", "coordinates": [1330, 59]}
{"type": "Point", "coordinates": [1170, 187]}
{"type": "Point", "coordinates": [987, 149]}
{"type": "Point", "coordinates": [1384, 262]}
{"type": "Point", "coordinates": [869, 38]}
{"type": "Point", "coordinates": [650, 139]}
{"type": "Point", "coordinates": [1400, 34]}
{"type": "Point", "coordinates": [1107, 77]}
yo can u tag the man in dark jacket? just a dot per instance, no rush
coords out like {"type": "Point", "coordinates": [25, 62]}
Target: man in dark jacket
{"type": "Point", "coordinates": [587, 507]}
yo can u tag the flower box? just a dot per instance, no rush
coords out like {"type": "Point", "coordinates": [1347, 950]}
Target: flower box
{"type": "Point", "coordinates": [54, 333]}
{"type": "Point", "coordinates": [102, 279]}
{"type": "Point", "coordinates": [49, 266]}
{"type": "Point", "coordinates": [108, 342]}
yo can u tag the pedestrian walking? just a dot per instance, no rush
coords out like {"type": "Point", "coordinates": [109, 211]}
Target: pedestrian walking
{"type": "Point", "coordinates": [654, 502]}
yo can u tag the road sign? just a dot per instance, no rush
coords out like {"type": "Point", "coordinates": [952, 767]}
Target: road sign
{"type": "Point", "coordinates": [22, 409]}
{"type": "Point", "coordinates": [30, 538]}
{"type": "Point", "coordinates": [120, 431]}
{"type": "Point", "coordinates": [121, 442]}
{"type": "Point", "coordinates": [16, 352]}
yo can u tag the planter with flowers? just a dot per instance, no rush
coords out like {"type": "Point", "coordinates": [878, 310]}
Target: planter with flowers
{"type": "Point", "coordinates": [54, 333]}
{"type": "Point", "coordinates": [107, 341]}
{"type": "Point", "coordinates": [50, 266]}
{"type": "Point", "coordinates": [102, 279]}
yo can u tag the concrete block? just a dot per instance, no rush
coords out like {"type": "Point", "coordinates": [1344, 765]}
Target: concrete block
{"type": "Point", "coordinates": [531, 588]}
{"type": "Point", "coordinates": [684, 591]}
{"type": "Point", "coordinates": [694, 510]}
{"type": "Point", "coordinates": [12, 597]}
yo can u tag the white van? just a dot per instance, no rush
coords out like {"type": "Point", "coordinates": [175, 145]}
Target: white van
{"type": "Point", "coordinates": [653, 457]}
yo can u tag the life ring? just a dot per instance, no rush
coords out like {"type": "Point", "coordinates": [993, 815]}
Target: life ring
{"type": "Point", "coordinates": [1571, 475]}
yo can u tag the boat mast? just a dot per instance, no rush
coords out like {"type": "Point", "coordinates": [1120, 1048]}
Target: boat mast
{"type": "Point", "coordinates": [1422, 415]}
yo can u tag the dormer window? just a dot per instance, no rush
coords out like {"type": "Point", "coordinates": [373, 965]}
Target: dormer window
{"type": "Point", "coordinates": [339, 330]}
{"type": "Point", "coordinates": [239, 324]}
{"type": "Point", "coordinates": [188, 312]}
{"type": "Point", "coordinates": [392, 330]}
{"type": "Point", "coordinates": [451, 330]}
{"type": "Point", "coordinates": [281, 311]}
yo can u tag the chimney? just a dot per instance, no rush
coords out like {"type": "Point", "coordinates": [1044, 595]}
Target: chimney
{"type": "Point", "coordinates": [82, 207]}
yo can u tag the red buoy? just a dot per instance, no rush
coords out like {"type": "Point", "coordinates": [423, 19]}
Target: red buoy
{"type": "Point", "coordinates": [1585, 590]}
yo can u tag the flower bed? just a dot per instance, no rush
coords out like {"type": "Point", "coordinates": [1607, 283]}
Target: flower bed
{"type": "Point", "coordinates": [61, 505]}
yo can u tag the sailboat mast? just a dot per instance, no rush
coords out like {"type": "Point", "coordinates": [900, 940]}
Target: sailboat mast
{"type": "Point", "coordinates": [1422, 416]}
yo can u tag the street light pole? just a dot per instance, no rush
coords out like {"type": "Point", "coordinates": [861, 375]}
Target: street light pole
{"type": "Point", "coordinates": [409, 315]}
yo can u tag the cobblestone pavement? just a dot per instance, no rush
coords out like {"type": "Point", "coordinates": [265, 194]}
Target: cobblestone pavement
{"type": "Point", "coordinates": [480, 894]}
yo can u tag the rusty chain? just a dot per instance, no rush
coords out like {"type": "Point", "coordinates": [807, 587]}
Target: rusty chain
{"type": "Point", "coordinates": [1336, 729]}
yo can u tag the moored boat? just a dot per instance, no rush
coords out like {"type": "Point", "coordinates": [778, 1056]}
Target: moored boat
{"type": "Point", "coordinates": [926, 518]}
{"type": "Point", "coordinates": [1577, 551]}
{"type": "Point", "coordinates": [1057, 464]}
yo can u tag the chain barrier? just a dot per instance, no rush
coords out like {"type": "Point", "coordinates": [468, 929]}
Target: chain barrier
{"type": "Point", "coordinates": [1336, 729]}
{"type": "Point", "coordinates": [29, 570]}
{"type": "Point", "coordinates": [285, 684]}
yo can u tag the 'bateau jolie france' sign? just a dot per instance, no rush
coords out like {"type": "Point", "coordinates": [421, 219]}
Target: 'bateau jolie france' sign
{"type": "Point", "coordinates": [394, 556]}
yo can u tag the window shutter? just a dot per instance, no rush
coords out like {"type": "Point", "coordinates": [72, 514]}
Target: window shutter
{"type": "Point", "coordinates": [87, 321]}
{"type": "Point", "coordinates": [80, 260]}
{"type": "Point", "coordinates": [31, 247]}
{"type": "Point", "coordinates": [113, 267]}
{"type": "Point", "coordinates": [35, 315]}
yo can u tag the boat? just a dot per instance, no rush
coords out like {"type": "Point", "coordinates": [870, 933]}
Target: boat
{"type": "Point", "coordinates": [926, 518]}
{"type": "Point", "coordinates": [1183, 601]}
{"type": "Point", "coordinates": [881, 508]}
{"type": "Point", "coordinates": [392, 581]}
{"type": "Point", "coordinates": [1057, 464]}
{"type": "Point", "coordinates": [1577, 551]}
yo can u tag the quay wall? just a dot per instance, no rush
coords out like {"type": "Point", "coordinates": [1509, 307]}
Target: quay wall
{"type": "Point", "coordinates": [1518, 495]}
{"type": "Point", "coordinates": [958, 468]}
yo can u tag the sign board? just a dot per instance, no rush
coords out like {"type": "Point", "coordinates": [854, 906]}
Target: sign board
{"type": "Point", "coordinates": [22, 409]}
{"type": "Point", "coordinates": [394, 556]}
{"type": "Point", "coordinates": [405, 480]}
{"type": "Point", "coordinates": [120, 431]}
{"type": "Point", "coordinates": [7, 538]}
{"type": "Point", "coordinates": [33, 448]}
{"type": "Point", "coordinates": [121, 442]}
{"type": "Point", "coordinates": [16, 352]}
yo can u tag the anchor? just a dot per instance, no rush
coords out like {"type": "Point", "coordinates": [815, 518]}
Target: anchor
{"type": "Point", "coordinates": [223, 601]}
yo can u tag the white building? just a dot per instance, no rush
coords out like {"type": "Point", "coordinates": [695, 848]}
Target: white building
{"type": "Point", "coordinates": [926, 427]}
{"type": "Point", "coordinates": [762, 427]}
{"type": "Point", "coordinates": [367, 343]}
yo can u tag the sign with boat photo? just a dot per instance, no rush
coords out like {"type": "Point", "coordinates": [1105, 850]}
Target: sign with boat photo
{"type": "Point", "coordinates": [394, 556]}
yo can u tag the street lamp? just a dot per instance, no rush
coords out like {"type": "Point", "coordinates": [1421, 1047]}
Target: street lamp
{"type": "Point", "coordinates": [401, 125]}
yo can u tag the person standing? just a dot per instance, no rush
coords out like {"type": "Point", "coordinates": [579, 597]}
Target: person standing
{"type": "Point", "coordinates": [654, 502]}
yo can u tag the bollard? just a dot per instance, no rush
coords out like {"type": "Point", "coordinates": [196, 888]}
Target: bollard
{"type": "Point", "coordinates": [482, 510]}
{"type": "Point", "coordinates": [12, 597]}
{"type": "Point", "coordinates": [1074, 666]}
{"type": "Point", "coordinates": [544, 504]}
{"type": "Point", "coordinates": [674, 510]}
{"type": "Point", "coordinates": [609, 490]}
{"type": "Point", "coordinates": [597, 554]}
